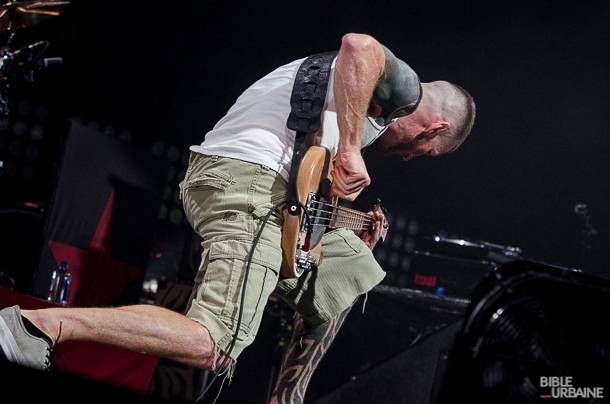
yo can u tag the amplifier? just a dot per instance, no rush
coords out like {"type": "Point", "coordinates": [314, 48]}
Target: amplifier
{"type": "Point", "coordinates": [445, 275]}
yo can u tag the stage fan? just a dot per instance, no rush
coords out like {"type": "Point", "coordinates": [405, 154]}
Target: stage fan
{"type": "Point", "coordinates": [526, 322]}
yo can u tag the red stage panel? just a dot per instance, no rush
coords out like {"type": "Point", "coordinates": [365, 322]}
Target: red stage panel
{"type": "Point", "coordinates": [101, 362]}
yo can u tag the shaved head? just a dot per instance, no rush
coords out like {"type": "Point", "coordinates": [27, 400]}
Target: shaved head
{"type": "Point", "coordinates": [453, 104]}
{"type": "Point", "coordinates": [439, 125]}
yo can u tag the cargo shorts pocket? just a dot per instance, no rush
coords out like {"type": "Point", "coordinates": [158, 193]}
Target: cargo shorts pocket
{"type": "Point", "coordinates": [211, 177]}
{"type": "Point", "coordinates": [223, 282]}
{"type": "Point", "coordinates": [201, 191]}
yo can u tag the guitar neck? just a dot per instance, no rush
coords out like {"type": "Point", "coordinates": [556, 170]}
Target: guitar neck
{"type": "Point", "coordinates": [350, 219]}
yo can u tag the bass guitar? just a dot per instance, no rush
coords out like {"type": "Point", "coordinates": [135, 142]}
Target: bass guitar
{"type": "Point", "coordinates": [316, 213]}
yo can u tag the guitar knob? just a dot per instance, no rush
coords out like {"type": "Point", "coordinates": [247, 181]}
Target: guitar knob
{"type": "Point", "coordinates": [294, 209]}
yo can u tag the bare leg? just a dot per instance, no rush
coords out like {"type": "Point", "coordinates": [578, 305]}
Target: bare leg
{"type": "Point", "coordinates": [142, 328]}
{"type": "Point", "coordinates": [303, 354]}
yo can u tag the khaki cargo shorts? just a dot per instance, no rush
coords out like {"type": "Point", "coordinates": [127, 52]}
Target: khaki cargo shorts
{"type": "Point", "coordinates": [225, 201]}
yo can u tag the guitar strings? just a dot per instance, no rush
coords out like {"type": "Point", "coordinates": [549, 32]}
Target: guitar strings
{"type": "Point", "coordinates": [349, 222]}
{"type": "Point", "coordinates": [342, 219]}
{"type": "Point", "coordinates": [354, 228]}
{"type": "Point", "coordinates": [335, 216]}
{"type": "Point", "coordinates": [341, 208]}
{"type": "Point", "coordinates": [348, 215]}
{"type": "Point", "coordinates": [339, 223]}
{"type": "Point", "coordinates": [355, 212]}
{"type": "Point", "coordinates": [351, 212]}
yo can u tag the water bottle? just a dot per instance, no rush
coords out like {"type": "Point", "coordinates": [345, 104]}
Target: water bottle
{"type": "Point", "coordinates": [60, 284]}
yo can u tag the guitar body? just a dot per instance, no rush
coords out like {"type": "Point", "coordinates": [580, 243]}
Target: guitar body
{"type": "Point", "coordinates": [301, 245]}
{"type": "Point", "coordinates": [302, 231]}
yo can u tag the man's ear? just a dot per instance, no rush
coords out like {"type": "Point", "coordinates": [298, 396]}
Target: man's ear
{"type": "Point", "coordinates": [436, 128]}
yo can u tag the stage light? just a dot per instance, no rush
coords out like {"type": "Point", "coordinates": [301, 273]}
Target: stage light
{"type": "Point", "coordinates": [409, 245]}
{"type": "Point", "coordinates": [157, 148]}
{"type": "Point", "coordinates": [173, 154]}
{"type": "Point", "coordinates": [401, 223]}
{"type": "Point", "coordinates": [20, 128]}
{"type": "Point", "coordinates": [394, 258]}
{"type": "Point", "coordinates": [395, 254]}
{"type": "Point", "coordinates": [162, 212]}
{"type": "Point", "coordinates": [413, 227]}
{"type": "Point", "coordinates": [109, 131]}
{"type": "Point", "coordinates": [396, 240]}
{"type": "Point", "coordinates": [36, 132]}
{"type": "Point", "coordinates": [405, 263]}
{"type": "Point", "coordinates": [176, 216]}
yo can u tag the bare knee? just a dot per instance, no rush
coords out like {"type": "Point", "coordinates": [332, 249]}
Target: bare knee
{"type": "Point", "coordinates": [218, 362]}
{"type": "Point", "coordinates": [205, 353]}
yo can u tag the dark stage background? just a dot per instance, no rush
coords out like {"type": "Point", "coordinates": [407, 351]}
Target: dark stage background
{"type": "Point", "coordinates": [160, 74]}
{"type": "Point", "coordinates": [539, 72]}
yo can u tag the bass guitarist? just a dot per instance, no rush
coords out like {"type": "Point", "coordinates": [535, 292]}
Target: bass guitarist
{"type": "Point", "coordinates": [235, 181]}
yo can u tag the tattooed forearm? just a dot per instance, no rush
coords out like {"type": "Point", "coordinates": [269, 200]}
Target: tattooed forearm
{"type": "Point", "coordinates": [303, 354]}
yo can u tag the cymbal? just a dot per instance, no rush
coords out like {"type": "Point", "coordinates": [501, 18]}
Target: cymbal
{"type": "Point", "coordinates": [15, 15]}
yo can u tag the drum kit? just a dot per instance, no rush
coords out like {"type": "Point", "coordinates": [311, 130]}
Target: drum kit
{"type": "Point", "coordinates": [22, 62]}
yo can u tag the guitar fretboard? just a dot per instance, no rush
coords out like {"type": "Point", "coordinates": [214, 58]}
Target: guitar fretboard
{"type": "Point", "coordinates": [351, 219]}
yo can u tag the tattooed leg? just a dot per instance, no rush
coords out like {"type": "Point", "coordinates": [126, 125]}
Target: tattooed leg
{"type": "Point", "coordinates": [303, 354]}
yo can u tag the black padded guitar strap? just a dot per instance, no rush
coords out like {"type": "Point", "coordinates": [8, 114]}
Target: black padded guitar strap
{"type": "Point", "coordinates": [306, 103]}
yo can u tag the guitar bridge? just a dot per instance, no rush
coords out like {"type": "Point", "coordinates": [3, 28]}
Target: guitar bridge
{"type": "Point", "coordinates": [315, 219]}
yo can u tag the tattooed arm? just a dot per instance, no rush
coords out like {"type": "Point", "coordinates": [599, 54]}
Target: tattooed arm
{"type": "Point", "coordinates": [303, 354]}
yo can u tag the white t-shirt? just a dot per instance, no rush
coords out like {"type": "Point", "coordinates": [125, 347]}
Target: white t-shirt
{"type": "Point", "coordinates": [254, 129]}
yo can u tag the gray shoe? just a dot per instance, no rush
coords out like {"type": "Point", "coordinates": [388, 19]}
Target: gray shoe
{"type": "Point", "coordinates": [20, 346]}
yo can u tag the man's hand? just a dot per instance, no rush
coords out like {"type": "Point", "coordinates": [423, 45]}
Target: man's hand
{"type": "Point", "coordinates": [349, 175]}
{"type": "Point", "coordinates": [371, 238]}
